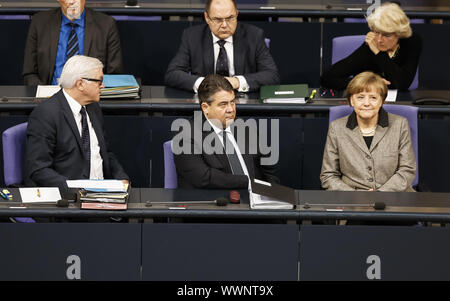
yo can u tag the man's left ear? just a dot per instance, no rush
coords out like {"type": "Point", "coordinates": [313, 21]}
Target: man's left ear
{"type": "Point", "coordinates": [79, 84]}
{"type": "Point", "coordinates": [205, 107]}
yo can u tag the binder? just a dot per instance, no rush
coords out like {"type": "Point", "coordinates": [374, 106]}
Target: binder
{"type": "Point", "coordinates": [271, 196]}
{"type": "Point", "coordinates": [119, 86]}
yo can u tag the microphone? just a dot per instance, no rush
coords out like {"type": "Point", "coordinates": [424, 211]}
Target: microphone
{"type": "Point", "coordinates": [62, 203]}
{"type": "Point", "coordinates": [131, 3]}
{"type": "Point", "coordinates": [222, 201]}
{"type": "Point", "coordinates": [376, 205]}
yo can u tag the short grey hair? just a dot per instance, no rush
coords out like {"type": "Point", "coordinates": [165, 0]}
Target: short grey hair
{"type": "Point", "coordinates": [76, 67]}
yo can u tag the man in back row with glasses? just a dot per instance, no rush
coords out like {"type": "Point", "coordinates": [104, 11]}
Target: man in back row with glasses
{"type": "Point", "coordinates": [223, 46]}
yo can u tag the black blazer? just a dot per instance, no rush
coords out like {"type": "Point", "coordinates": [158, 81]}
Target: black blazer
{"type": "Point", "coordinates": [53, 151]}
{"type": "Point", "coordinates": [101, 40]}
{"type": "Point", "coordinates": [213, 170]}
{"type": "Point", "coordinates": [195, 58]}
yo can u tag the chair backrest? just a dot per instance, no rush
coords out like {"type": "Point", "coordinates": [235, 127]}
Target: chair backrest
{"type": "Point", "coordinates": [409, 112]}
{"type": "Point", "coordinates": [13, 140]}
{"type": "Point", "coordinates": [346, 45]}
{"type": "Point", "coordinates": [170, 171]}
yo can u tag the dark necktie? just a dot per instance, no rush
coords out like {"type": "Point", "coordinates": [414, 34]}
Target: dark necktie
{"type": "Point", "coordinates": [85, 140]}
{"type": "Point", "coordinates": [222, 60]}
{"type": "Point", "coordinates": [72, 42]}
{"type": "Point", "coordinates": [233, 158]}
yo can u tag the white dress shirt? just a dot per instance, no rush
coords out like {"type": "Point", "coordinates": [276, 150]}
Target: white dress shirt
{"type": "Point", "coordinates": [96, 171]}
{"type": "Point", "coordinates": [243, 86]}
{"type": "Point", "coordinates": [219, 131]}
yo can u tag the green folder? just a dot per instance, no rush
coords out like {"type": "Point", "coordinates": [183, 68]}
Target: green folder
{"type": "Point", "coordinates": [284, 93]}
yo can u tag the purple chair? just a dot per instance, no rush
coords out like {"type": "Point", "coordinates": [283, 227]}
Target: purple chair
{"type": "Point", "coordinates": [170, 172]}
{"type": "Point", "coordinates": [409, 112]}
{"type": "Point", "coordinates": [13, 140]}
{"type": "Point", "coordinates": [343, 46]}
{"type": "Point", "coordinates": [363, 20]}
{"type": "Point", "coordinates": [137, 18]}
{"type": "Point", "coordinates": [13, 153]}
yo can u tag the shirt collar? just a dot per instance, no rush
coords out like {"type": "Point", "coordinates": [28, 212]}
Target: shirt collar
{"type": "Point", "coordinates": [73, 104]}
{"type": "Point", "coordinates": [79, 21]}
{"type": "Point", "coordinates": [383, 119]}
{"type": "Point", "coordinates": [228, 40]}
{"type": "Point", "coordinates": [217, 130]}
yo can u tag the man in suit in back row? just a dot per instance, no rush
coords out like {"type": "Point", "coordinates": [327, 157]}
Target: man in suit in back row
{"type": "Point", "coordinates": [65, 135]}
{"type": "Point", "coordinates": [223, 46]}
{"type": "Point", "coordinates": [209, 155]}
{"type": "Point", "coordinates": [56, 35]}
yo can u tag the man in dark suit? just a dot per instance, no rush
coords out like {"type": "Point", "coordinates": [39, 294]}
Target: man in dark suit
{"type": "Point", "coordinates": [65, 135]}
{"type": "Point", "coordinates": [236, 51]}
{"type": "Point", "coordinates": [209, 155]}
{"type": "Point", "coordinates": [50, 41]}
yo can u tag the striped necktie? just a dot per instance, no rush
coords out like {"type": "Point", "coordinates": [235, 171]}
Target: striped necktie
{"type": "Point", "coordinates": [85, 138]}
{"type": "Point", "coordinates": [72, 42]}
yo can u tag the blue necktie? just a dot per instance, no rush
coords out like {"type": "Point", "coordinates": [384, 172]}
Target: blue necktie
{"type": "Point", "coordinates": [85, 140]}
{"type": "Point", "coordinates": [72, 42]}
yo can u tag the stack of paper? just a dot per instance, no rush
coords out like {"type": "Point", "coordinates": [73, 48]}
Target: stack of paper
{"type": "Point", "coordinates": [95, 192]}
{"type": "Point", "coordinates": [119, 86]}
{"type": "Point", "coordinates": [258, 201]}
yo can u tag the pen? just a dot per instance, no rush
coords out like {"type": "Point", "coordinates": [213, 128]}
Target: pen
{"type": "Point", "coordinates": [5, 194]}
{"type": "Point", "coordinates": [313, 93]}
{"type": "Point", "coordinates": [38, 193]}
{"type": "Point", "coordinates": [332, 93]}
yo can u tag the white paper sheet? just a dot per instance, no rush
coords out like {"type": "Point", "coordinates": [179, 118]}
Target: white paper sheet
{"type": "Point", "coordinates": [392, 96]}
{"type": "Point", "coordinates": [46, 90]}
{"type": "Point", "coordinates": [40, 195]}
{"type": "Point", "coordinates": [97, 185]}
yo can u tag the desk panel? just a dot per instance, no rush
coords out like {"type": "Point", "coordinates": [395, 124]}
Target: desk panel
{"type": "Point", "coordinates": [65, 251]}
{"type": "Point", "coordinates": [229, 252]}
{"type": "Point", "coordinates": [374, 253]}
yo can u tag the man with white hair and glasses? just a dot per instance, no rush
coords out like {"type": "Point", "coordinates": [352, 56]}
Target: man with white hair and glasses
{"type": "Point", "coordinates": [65, 135]}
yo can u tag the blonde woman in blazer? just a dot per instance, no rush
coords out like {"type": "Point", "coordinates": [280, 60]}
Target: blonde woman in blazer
{"type": "Point", "coordinates": [370, 149]}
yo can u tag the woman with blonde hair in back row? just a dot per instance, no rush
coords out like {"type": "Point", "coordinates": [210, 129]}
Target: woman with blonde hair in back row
{"type": "Point", "coordinates": [391, 49]}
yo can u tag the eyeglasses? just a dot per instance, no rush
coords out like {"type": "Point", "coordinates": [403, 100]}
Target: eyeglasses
{"type": "Point", "coordinates": [227, 20]}
{"type": "Point", "coordinates": [98, 81]}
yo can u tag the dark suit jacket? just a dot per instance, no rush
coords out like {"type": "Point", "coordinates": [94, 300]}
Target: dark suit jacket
{"type": "Point", "coordinates": [101, 40]}
{"type": "Point", "coordinates": [53, 150]}
{"type": "Point", "coordinates": [195, 58]}
{"type": "Point", "coordinates": [213, 170]}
